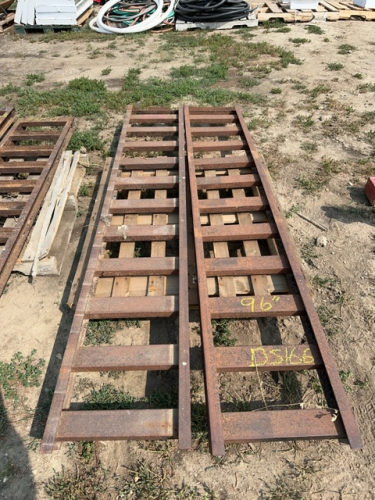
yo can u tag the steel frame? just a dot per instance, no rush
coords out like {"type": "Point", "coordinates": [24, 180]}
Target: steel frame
{"type": "Point", "coordinates": [257, 218]}
{"type": "Point", "coordinates": [127, 221]}
{"type": "Point", "coordinates": [255, 283]}
{"type": "Point", "coordinates": [26, 172]}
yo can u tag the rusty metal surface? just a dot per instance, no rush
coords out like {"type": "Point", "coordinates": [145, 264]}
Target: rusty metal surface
{"type": "Point", "coordinates": [22, 198]}
{"type": "Point", "coordinates": [246, 267]}
{"type": "Point", "coordinates": [6, 119]}
{"type": "Point", "coordinates": [265, 251]}
{"type": "Point", "coordinates": [121, 284]}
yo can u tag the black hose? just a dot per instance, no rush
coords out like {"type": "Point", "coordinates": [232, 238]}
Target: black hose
{"type": "Point", "coordinates": [211, 10]}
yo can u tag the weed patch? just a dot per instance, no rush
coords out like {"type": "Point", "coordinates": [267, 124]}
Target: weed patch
{"type": "Point", "coordinates": [303, 122]}
{"type": "Point", "coordinates": [314, 30]}
{"type": "Point", "coordinates": [32, 78]}
{"type": "Point", "coordinates": [346, 48]}
{"type": "Point", "coordinates": [84, 483]}
{"type": "Point", "coordinates": [299, 41]}
{"type": "Point", "coordinates": [335, 66]}
{"type": "Point", "coordinates": [88, 139]}
{"type": "Point", "coordinates": [21, 371]}
{"type": "Point", "coordinates": [222, 333]}
{"type": "Point", "coordinates": [101, 331]}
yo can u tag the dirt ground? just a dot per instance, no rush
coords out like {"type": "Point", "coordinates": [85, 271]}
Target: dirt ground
{"type": "Point", "coordinates": [319, 169]}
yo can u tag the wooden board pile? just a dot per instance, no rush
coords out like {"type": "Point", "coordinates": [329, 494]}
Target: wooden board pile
{"type": "Point", "coordinates": [45, 251]}
{"type": "Point", "coordinates": [51, 13]}
{"type": "Point", "coordinates": [326, 10]}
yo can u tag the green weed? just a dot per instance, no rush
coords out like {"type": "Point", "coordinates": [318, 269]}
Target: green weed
{"type": "Point", "coordinates": [248, 82]}
{"type": "Point", "coordinates": [88, 139]}
{"type": "Point", "coordinates": [303, 122]}
{"type": "Point", "coordinates": [299, 41]}
{"type": "Point", "coordinates": [359, 76]}
{"type": "Point", "coordinates": [222, 333]}
{"type": "Point", "coordinates": [276, 90]}
{"type": "Point", "coordinates": [346, 48]}
{"type": "Point", "coordinates": [84, 483]}
{"type": "Point", "coordinates": [335, 66]}
{"type": "Point", "coordinates": [86, 189]}
{"type": "Point", "coordinates": [21, 371]}
{"type": "Point", "coordinates": [108, 397]}
{"type": "Point", "coordinates": [318, 281]}
{"type": "Point", "coordinates": [311, 147]}
{"type": "Point", "coordinates": [315, 30]}
{"type": "Point", "coordinates": [293, 210]}
{"type": "Point", "coordinates": [106, 71]}
{"type": "Point", "coordinates": [319, 89]}
{"type": "Point", "coordinates": [308, 253]}
{"type": "Point", "coordinates": [101, 331]}
{"type": "Point", "coordinates": [32, 78]}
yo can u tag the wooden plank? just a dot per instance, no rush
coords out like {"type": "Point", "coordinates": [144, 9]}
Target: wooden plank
{"type": "Point", "coordinates": [59, 208]}
{"type": "Point", "coordinates": [227, 286]}
{"type": "Point", "coordinates": [117, 424]}
{"type": "Point", "coordinates": [157, 283]}
{"type": "Point", "coordinates": [45, 214]}
{"type": "Point", "coordinates": [122, 285]}
{"type": "Point", "coordinates": [288, 425]}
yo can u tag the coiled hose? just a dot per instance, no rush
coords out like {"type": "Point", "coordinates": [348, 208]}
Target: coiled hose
{"type": "Point", "coordinates": [134, 17]}
{"type": "Point", "coordinates": [211, 10]}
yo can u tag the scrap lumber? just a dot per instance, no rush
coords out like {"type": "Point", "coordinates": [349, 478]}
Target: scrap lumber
{"type": "Point", "coordinates": [55, 222]}
{"type": "Point", "coordinates": [327, 10]}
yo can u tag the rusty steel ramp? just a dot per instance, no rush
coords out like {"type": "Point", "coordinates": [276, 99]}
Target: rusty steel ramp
{"type": "Point", "coordinates": [29, 154]}
{"type": "Point", "coordinates": [246, 268]}
{"type": "Point", "coordinates": [145, 204]}
{"type": "Point", "coordinates": [241, 239]}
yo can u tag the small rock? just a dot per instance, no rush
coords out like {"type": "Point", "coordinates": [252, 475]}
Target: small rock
{"type": "Point", "coordinates": [83, 150]}
{"type": "Point", "coordinates": [58, 356]}
{"type": "Point", "coordinates": [321, 241]}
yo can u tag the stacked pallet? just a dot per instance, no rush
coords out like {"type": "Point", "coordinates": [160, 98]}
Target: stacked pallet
{"type": "Point", "coordinates": [326, 10]}
{"type": "Point", "coordinates": [44, 12]}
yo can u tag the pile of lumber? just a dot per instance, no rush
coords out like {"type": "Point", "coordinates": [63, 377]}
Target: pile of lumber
{"type": "Point", "coordinates": [46, 248]}
{"type": "Point", "coordinates": [51, 13]}
{"type": "Point", "coordinates": [326, 10]}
